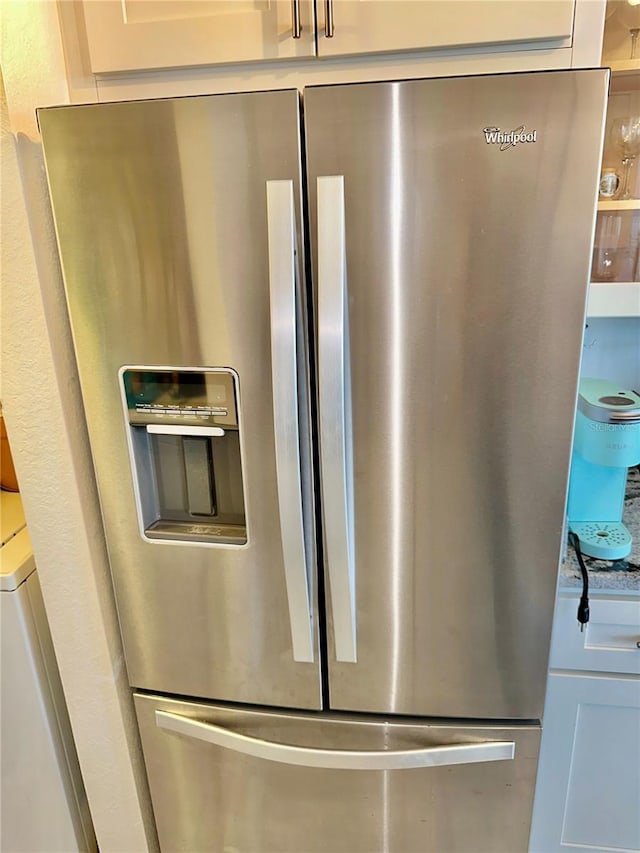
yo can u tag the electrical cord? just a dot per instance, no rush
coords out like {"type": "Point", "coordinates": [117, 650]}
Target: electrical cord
{"type": "Point", "coordinates": [583, 606]}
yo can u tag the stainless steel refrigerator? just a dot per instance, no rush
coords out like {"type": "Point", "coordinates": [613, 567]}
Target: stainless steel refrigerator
{"type": "Point", "coordinates": [328, 349]}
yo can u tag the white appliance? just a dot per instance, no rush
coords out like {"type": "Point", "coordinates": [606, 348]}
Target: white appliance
{"type": "Point", "coordinates": [43, 805]}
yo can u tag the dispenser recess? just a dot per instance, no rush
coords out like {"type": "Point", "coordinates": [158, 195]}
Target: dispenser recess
{"type": "Point", "coordinates": [184, 445]}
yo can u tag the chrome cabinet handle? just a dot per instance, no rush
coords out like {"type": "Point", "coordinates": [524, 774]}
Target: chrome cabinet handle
{"type": "Point", "coordinates": [337, 759]}
{"type": "Point", "coordinates": [281, 226]}
{"type": "Point", "coordinates": [328, 19]}
{"type": "Point", "coordinates": [335, 413]}
{"type": "Point", "coordinates": [295, 19]}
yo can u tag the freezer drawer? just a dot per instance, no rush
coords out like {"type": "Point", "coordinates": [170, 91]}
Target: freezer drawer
{"type": "Point", "coordinates": [225, 779]}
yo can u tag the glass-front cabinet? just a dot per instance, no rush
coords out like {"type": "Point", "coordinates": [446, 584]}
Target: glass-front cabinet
{"type": "Point", "coordinates": [615, 288]}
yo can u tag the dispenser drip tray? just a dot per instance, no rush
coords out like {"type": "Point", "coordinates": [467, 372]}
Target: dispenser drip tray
{"type": "Point", "coordinates": [605, 540]}
{"type": "Point", "coordinates": [187, 531]}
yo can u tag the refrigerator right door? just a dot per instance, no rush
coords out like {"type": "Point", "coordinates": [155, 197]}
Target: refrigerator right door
{"type": "Point", "coordinates": [451, 230]}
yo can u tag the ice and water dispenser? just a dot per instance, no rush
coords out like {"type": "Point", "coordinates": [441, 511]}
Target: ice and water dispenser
{"type": "Point", "coordinates": [184, 442]}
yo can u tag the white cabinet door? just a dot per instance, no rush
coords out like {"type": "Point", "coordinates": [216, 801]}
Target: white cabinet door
{"type": "Point", "coordinates": [365, 26]}
{"type": "Point", "coordinates": [588, 788]}
{"type": "Point", "coordinates": [133, 35]}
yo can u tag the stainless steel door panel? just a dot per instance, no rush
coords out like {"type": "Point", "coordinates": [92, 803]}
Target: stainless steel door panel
{"type": "Point", "coordinates": [467, 264]}
{"type": "Point", "coordinates": [161, 214]}
{"type": "Point", "coordinates": [210, 798]}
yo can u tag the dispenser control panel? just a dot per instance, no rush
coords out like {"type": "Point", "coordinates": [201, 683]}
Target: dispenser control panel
{"type": "Point", "coordinates": [188, 397]}
{"type": "Point", "coordinates": [186, 458]}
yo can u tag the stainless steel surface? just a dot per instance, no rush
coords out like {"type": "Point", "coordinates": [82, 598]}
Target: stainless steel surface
{"type": "Point", "coordinates": [467, 270]}
{"type": "Point", "coordinates": [296, 27]}
{"type": "Point", "coordinates": [207, 797]}
{"type": "Point", "coordinates": [449, 289]}
{"type": "Point", "coordinates": [176, 429]}
{"type": "Point", "coordinates": [337, 759]}
{"type": "Point", "coordinates": [335, 414]}
{"type": "Point", "coordinates": [160, 214]}
{"type": "Point", "coordinates": [283, 276]}
{"type": "Point", "coordinates": [328, 19]}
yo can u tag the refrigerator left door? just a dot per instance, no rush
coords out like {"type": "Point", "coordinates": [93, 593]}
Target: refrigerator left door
{"type": "Point", "coordinates": [178, 223]}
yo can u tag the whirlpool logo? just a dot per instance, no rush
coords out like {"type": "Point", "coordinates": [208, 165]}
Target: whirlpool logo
{"type": "Point", "coordinates": [509, 139]}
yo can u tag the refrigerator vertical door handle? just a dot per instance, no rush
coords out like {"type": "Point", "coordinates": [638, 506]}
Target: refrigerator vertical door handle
{"type": "Point", "coordinates": [337, 759]}
{"type": "Point", "coordinates": [335, 413]}
{"type": "Point", "coordinates": [281, 226]}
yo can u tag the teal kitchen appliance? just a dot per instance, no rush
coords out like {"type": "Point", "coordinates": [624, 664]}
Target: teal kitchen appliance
{"type": "Point", "coordinates": [606, 443]}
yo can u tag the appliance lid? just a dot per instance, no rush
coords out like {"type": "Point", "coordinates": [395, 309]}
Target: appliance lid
{"type": "Point", "coordinates": [603, 401]}
{"type": "Point", "coordinates": [12, 518]}
{"type": "Point", "coordinates": [16, 556]}
{"type": "Point", "coordinates": [16, 561]}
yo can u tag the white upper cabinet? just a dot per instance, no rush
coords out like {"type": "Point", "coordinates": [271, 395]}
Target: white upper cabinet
{"type": "Point", "coordinates": [366, 26]}
{"type": "Point", "coordinates": [136, 35]}
{"type": "Point", "coordinates": [615, 271]}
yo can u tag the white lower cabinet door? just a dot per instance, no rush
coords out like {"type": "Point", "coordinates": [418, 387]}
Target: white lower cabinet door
{"type": "Point", "coordinates": [237, 780]}
{"type": "Point", "coordinates": [588, 789]}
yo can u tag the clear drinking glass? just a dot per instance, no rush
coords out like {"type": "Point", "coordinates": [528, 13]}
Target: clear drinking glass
{"type": "Point", "coordinates": [607, 247]}
{"type": "Point", "coordinates": [625, 135]}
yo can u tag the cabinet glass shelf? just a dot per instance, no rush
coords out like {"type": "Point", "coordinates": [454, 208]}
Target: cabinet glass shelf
{"type": "Point", "coordinates": [620, 204]}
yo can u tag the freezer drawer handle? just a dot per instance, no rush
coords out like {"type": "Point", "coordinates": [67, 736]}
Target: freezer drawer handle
{"type": "Point", "coordinates": [281, 225]}
{"type": "Point", "coordinates": [338, 759]}
{"type": "Point", "coordinates": [335, 414]}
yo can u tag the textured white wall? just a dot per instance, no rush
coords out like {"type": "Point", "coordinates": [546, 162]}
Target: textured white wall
{"type": "Point", "coordinates": [43, 412]}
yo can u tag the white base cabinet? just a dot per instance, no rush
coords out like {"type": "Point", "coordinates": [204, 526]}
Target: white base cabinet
{"type": "Point", "coordinates": [588, 787]}
{"type": "Point", "coordinates": [588, 790]}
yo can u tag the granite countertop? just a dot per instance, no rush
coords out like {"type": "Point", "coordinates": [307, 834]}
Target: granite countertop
{"type": "Point", "coordinates": [612, 574]}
